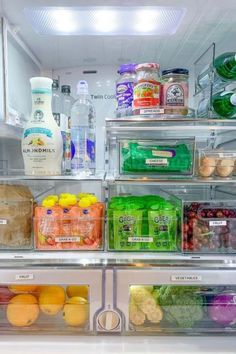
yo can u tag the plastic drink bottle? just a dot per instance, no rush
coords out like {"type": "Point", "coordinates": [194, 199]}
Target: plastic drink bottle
{"type": "Point", "coordinates": [83, 132]}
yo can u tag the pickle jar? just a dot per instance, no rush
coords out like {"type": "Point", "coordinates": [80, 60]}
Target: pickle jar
{"type": "Point", "coordinates": [147, 88]}
{"type": "Point", "coordinates": [174, 91]}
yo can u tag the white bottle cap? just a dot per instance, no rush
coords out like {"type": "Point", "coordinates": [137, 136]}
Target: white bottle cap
{"type": "Point", "coordinates": [44, 83]}
{"type": "Point", "coordinates": [82, 87]}
{"type": "Point", "coordinates": [233, 99]}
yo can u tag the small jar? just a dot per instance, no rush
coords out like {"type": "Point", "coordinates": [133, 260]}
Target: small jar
{"type": "Point", "coordinates": [174, 92]}
{"type": "Point", "coordinates": [124, 89]}
{"type": "Point", "coordinates": [147, 87]}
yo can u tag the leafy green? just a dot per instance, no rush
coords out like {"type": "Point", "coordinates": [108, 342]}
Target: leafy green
{"type": "Point", "coordinates": [183, 305]}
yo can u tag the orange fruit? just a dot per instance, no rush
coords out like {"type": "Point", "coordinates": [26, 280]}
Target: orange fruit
{"type": "Point", "coordinates": [23, 310]}
{"type": "Point", "coordinates": [76, 311]}
{"type": "Point", "coordinates": [78, 290]}
{"type": "Point", "coordinates": [52, 299]}
{"type": "Point", "coordinates": [19, 289]}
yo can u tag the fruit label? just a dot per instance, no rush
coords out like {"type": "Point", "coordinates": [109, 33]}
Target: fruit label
{"type": "Point", "coordinates": [156, 162]}
{"type": "Point", "coordinates": [218, 223]}
{"type": "Point", "coordinates": [175, 94]}
{"type": "Point", "coordinates": [124, 94]}
{"type": "Point", "coordinates": [24, 277]}
{"type": "Point", "coordinates": [67, 239]}
{"type": "Point", "coordinates": [3, 222]}
{"type": "Point", "coordinates": [186, 278]}
{"type": "Point", "coordinates": [146, 94]}
{"type": "Point", "coordinates": [140, 239]}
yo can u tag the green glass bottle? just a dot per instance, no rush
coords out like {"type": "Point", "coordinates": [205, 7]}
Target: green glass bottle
{"type": "Point", "coordinates": [225, 66]}
{"type": "Point", "coordinates": [224, 104]}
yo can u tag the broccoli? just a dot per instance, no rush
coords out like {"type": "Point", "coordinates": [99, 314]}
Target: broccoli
{"type": "Point", "coordinates": [183, 305]}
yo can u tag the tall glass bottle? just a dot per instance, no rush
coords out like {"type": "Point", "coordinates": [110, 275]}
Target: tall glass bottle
{"type": "Point", "coordinates": [42, 142]}
{"type": "Point", "coordinates": [224, 67]}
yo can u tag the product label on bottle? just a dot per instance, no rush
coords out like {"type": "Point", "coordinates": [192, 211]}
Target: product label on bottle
{"type": "Point", "coordinates": [146, 94]}
{"type": "Point", "coordinates": [42, 142]}
{"type": "Point", "coordinates": [175, 95]}
{"type": "Point", "coordinates": [57, 118]}
{"type": "Point", "coordinates": [67, 239]}
{"type": "Point", "coordinates": [124, 94]}
{"type": "Point", "coordinates": [156, 162]}
{"type": "Point", "coordinates": [218, 223]}
{"type": "Point", "coordinates": [91, 150]}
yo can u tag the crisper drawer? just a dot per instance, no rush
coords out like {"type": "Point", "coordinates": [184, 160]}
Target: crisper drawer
{"type": "Point", "coordinates": [165, 300]}
{"type": "Point", "coordinates": [49, 300]}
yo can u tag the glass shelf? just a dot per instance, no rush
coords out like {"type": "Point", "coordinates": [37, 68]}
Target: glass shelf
{"type": "Point", "coordinates": [18, 175]}
{"type": "Point", "coordinates": [166, 123]}
{"type": "Point", "coordinates": [98, 258]}
{"type": "Point", "coordinates": [8, 131]}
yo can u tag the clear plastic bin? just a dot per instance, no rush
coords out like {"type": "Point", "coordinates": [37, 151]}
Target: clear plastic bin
{"type": "Point", "coordinates": [157, 157]}
{"type": "Point", "coordinates": [69, 229]}
{"type": "Point", "coordinates": [209, 227]}
{"type": "Point", "coordinates": [216, 163]}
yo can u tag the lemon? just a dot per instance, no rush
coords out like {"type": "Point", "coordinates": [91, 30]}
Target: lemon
{"type": "Point", "coordinates": [78, 290]}
{"type": "Point", "coordinates": [93, 199]}
{"type": "Point", "coordinates": [76, 311]}
{"type": "Point", "coordinates": [48, 203]}
{"type": "Point", "coordinates": [51, 299]}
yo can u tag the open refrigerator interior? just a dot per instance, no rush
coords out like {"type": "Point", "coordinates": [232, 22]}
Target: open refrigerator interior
{"type": "Point", "coordinates": [118, 213]}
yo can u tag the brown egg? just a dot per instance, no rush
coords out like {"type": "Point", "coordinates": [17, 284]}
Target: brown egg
{"type": "Point", "coordinates": [224, 171]}
{"type": "Point", "coordinates": [206, 171]}
{"type": "Point", "coordinates": [208, 161]}
{"type": "Point", "coordinates": [225, 162]}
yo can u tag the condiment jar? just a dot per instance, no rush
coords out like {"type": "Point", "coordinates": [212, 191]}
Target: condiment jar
{"type": "Point", "coordinates": [147, 88]}
{"type": "Point", "coordinates": [124, 89]}
{"type": "Point", "coordinates": [174, 91]}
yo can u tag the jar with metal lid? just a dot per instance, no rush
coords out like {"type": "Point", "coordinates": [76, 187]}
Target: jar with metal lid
{"type": "Point", "coordinates": [174, 92]}
{"type": "Point", "coordinates": [147, 88]}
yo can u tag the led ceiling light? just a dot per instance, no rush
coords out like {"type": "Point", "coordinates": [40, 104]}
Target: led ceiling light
{"type": "Point", "coordinates": [98, 20]}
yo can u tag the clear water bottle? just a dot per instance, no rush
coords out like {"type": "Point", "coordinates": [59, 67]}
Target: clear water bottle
{"type": "Point", "coordinates": [66, 105]}
{"type": "Point", "coordinates": [83, 127]}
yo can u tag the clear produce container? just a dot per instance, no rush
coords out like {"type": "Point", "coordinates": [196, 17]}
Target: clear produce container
{"type": "Point", "coordinates": [175, 301]}
{"type": "Point", "coordinates": [209, 227]}
{"type": "Point", "coordinates": [220, 163]}
{"type": "Point", "coordinates": [16, 212]}
{"type": "Point", "coordinates": [69, 229]}
{"type": "Point", "coordinates": [172, 157]}
{"type": "Point", "coordinates": [144, 223]}
{"type": "Point", "coordinates": [45, 301]}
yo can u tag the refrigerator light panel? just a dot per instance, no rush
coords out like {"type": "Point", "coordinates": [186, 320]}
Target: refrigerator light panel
{"type": "Point", "coordinates": [148, 20]}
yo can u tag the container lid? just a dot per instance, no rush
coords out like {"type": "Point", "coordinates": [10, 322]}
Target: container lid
{"type": "Point", "coordinates": [127, 68]}
{"type": "Point", "coordinates": [65, 89]}
{"type": "Point", "coordinates": [154, 66]}
{"type": "Point", "coordinates": [44, 83]}
{"type": "Point", "coordinates": [175, 71]}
